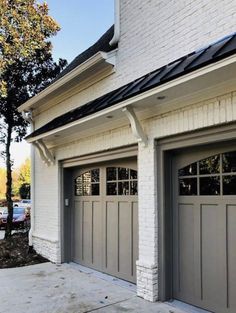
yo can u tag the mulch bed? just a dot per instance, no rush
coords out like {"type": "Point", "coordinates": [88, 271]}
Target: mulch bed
{"type": "Point", "coordinates": [14, 252]}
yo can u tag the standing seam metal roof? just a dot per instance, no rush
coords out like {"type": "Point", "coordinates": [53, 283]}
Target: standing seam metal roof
{"type": "Point", "coordinates": [189, 63]}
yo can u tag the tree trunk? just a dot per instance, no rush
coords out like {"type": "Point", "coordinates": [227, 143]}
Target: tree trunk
{"type": "Point", "coordinates": [9, 183]}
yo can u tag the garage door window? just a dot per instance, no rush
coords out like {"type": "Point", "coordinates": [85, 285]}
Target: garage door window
{"type": "Point", "coordinates": [88, 183]}
{"type": "Point", "coordinates": [212, 176]}
{"type": "Point", "coordinates": [121, 181]}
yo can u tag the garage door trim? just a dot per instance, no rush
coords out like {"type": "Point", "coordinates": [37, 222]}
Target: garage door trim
{"type": "Point", "coordinates": [65, 169]}
{"type": "Point", "coordinates": [102, 156]}
{"type": "Point", "coordinates": [165, 149]}
{"type": "Point", "coordinates": [118, 156]}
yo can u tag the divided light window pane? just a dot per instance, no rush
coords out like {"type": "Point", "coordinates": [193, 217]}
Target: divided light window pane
{"type": "Point", "coordinates": [188, 170]}
{"type": "Point", "coordinates": [210, 165]}
{"type": "Point", "coordinates": [188, 186]}
{"type": "Point", "coordinates": [229, 162]}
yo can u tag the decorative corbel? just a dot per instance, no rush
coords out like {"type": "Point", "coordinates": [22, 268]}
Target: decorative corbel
{"type": "Point", "coordinates": [47, 157]}
{"type": "Point", "coordinates": [136, 127]}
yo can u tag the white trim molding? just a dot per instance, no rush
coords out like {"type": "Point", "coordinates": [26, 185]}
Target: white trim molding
{"type": "Point", "coordinates": [136, 127]}
{"type": "Point", "coordinates": [116, 36]}
{"type": "Point", "coordinates": [106, 59]}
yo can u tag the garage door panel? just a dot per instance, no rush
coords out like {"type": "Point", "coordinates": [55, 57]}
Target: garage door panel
{"type": "Point", "coordinates": [106, 218]}
{"type": "Point", "coordinates": [111, 237]}
{"type": "Point", "coordinates": [204, 229]}
{"type": "Point", "coordinates": [185, 252]}
{"type": "Point", "coordinates": [125, 238]}
{"type": "Point", "coordinates": [96, 234]}
{"type": "Point", "coordinates": [231, 223]}
{"type": "Point", "coordinates": [135, 237]}
{"type": "Point", "coordinates": [213, 254]}
{"type": "Point", "coordinates": [197, 247]}
{"type": "Point", "coordinates": [87, 232]}
{"type": "Point", "coordinates": [78, 230]}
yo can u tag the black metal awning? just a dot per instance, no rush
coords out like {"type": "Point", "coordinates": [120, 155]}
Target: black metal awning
{"type": "Point", "coordinates": [189, 63]}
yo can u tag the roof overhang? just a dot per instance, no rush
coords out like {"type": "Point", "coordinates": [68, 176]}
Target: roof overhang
{"type": "Point", "coordinates": [96, 63]}
{"type": "Point", "coordinates": [211, 80]}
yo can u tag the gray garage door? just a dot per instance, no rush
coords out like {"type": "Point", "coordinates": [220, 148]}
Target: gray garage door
{"type": "Point", "coordinates": [106, 218]}
{"type": "Point", "coordinates": [204, 256]}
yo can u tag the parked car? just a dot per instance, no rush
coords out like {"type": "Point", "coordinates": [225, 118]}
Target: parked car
{"type": "Point", "coordinates": [2, 209]}
{"type": "Point", "coordinates": [24, 203]}
{"type": "Point", "coordinates": [20, 217]}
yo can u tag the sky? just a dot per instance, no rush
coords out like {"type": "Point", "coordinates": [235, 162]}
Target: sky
{"type": "Point", "coordinates": [82, 22]}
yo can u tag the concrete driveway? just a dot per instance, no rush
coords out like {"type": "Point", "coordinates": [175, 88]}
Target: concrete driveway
{"type": "Point", "coordinates": [49, 288]}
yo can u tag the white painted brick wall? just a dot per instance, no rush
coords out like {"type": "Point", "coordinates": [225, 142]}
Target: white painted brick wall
{"type": "Point", "coordinates": [46, 213]}
{"type": "Point", "coordinates": [147, 275]}
{"type": "Point", "coordinates": [203, 114]}
{"type": "Point", "coordinates": [153, 33]}
{"type": "Point", "coordinates": [107, 140]}
{"type": "Point", "coordinates": [48, 249]}
{"type": "Point", "coordinates": [147, 281]}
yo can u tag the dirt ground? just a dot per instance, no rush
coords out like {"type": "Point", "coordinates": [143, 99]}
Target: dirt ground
{"type": "Point", "coordinates": [14, 252]}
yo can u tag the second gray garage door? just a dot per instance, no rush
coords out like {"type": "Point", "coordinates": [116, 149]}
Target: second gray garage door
{"type": "Point", "coordinates": [106, 218]}
{"type": "Point", "coordinates": [204, 203]}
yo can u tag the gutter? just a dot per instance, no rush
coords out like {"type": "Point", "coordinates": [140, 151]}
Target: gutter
{"type": "Point", "coordinates": [116, 36]}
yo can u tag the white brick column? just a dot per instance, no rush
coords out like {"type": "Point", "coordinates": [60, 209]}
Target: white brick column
{"type": "Point", "coordinates": [147, 267]}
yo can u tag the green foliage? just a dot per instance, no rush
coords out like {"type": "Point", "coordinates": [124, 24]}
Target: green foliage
{"type": "Point", "coordinates": [25, 79]}
{"type": "Point", "coordinates": [24, 172]}
{"type": "Point", "coordinates": [26, 68]}
{"type": "Point", "coordinates": [24, 191]}
{"type": "Point", "coordinates": [2, 183]}
{"type": "Point", "coordinates": [21, 179]}
{"type": "Point", "coordinates": [24, 27]}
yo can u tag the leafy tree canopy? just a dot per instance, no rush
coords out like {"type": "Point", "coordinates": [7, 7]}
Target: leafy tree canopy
{"type": "Point", "coordinates": [25, 77]}
{"type": "Point", "coordinates": [20, 180]}
{"type": "Point", "coordinates": [24, 27]}
{"type": "Point", "coordinates": [26, 67]}
{"type": "Point", "coordinates": [24, 172]}
{"type": "Point", "coordinates": [2, 183]}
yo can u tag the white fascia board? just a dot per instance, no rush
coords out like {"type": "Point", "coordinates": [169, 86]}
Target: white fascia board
{"type": "Point", "coordinates": [208, 69]}
{"type": "Point", "coordinates": [106, 57]}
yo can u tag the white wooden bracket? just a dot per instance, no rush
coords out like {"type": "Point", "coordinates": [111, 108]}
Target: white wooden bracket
{"type": "Point", "coordinates": [47, 157]}
{"type": "Point", "coordinates": [136, 127]}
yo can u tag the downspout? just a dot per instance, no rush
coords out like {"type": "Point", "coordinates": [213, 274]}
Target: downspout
{"type": "Point", "coordinates": [114, 41]}
{"type": "Point", "coordinates": [28, 117]}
